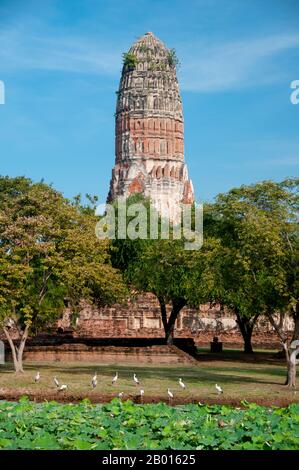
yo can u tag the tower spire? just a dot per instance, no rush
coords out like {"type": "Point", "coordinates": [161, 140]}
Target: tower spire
{"type": "Point", "coordinates": [149, 129]}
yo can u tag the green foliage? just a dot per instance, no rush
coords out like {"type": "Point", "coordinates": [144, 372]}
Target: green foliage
{"type": "Point", "coordinates": [125, 252]}
{"type": "Point", "coordinates": [125, 426]}
{"type": "Point", "coordinates": [163, 267]}
{"type": "Point", "coordinates": [129, 61]}
{"type": "Point", "coordinates": [172, 58]}
{"type": "Point", "coordinates": [49, 255]}
{"type": "Point", "coordinates": [256, 266]}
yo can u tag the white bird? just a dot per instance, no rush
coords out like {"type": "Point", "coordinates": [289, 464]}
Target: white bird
{"type": "Point", "coordinates": [62, 388]}
{"type": "Point", "coordinates": [182, 384]}
{"type": "Point", "coordinates": [94, 381]}
{"type": "Point", "coordinates": [115, 378]}
{"type": "Point", "coordinates": [135, 379]}
{"type": "Point", "coordinates": [219, 389]}
{"type": "Point", "coordinates": [170, 394]}
{"type": "Point", "coordinates": [37, 377]}
{"type": "Point", "coordinates": [142, 392]}
{"type": "Point", "coordinates": [56, 382]}
{"type": "Point", "coordinates": [121, 394]}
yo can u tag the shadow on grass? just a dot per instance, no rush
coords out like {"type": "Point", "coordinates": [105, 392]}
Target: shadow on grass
{"type": "Point", "coordinates": [265, 357]}
{"type": "Point", "coordinates": [192, 374]}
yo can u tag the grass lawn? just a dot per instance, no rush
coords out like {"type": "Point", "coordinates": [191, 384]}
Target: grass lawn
{"type": "Point", "coordinates": [260, 380]}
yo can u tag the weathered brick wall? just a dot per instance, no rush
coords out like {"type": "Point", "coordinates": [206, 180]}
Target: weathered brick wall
{"type": "Point", "coordinates": [141, 318]}
{"type": "Point", "coordinates": [159, 354]}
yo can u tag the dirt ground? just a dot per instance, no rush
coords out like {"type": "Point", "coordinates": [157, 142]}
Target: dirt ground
{"type": "Point", "coordinates": [104, 398]}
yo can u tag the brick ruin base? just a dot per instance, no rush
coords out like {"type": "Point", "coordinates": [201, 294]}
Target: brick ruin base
{"type": "Point", "coordinates": [141, 318]}
{"type": "Point", "coordinates": [65, 348]}
{"type": "Point", "coordinates": [108, 354]}
{"type": "Point", "coordinates": [134, 333]}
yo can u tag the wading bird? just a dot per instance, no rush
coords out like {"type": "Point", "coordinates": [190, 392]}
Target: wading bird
{"type": "Point", "coordinates": [141, 394]}
{"type": "Point", "coordinates": [182, 384]}
{"type": "Point", "coordinates": [115, 378]}
{"type": "Point", "coordinates": [135, 379]}
{"type": "Point", "coordinates": [62, 388]}
{"type": "Point", "coordinates": [37, 377]}
{"type": "Point", "coordinates": [170, 395]}
{"type": "Point", "coordinates": [94, 381]}
{"type": "Point", "coordinates": [219, 389]}
{"type": "Point", "coordinates": [56, 382]}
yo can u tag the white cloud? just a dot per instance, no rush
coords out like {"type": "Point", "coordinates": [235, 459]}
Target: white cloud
{"type": "Point", "coordinates": [20, 50]}
{"type": "Point", "coordinates": [206, 67]}
{"type": "Point", "coordinates": [235, 64]}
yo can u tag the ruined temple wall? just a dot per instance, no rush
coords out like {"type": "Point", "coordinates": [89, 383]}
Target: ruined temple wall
{"type": "Point", "coordinates": [141, 318]}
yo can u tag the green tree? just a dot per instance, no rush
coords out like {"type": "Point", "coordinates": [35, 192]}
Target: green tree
{"type": "Point", "coordinates": [164, 268]}
{"type": "Point", "coordinates": [49, 254]}
{"type": "Point", "coordinates": [257, 266]}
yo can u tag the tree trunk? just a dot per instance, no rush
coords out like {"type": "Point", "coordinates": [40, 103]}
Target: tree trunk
{"type": "Point", "coordinates": [284, 343]}
{"type": "Point", "coordinates": [163, 313]}
{"type": "Point", "coordinates": [169, 326]}
{"type": "Point", "coordinates": [170, 323]}
{"type": "Point", "coordinates": [296, 321]}
{"type": "Point", "coordinates": [17, 352]}
{"type": "Point", "coordinates": [246, 328]}
{"type": "Point", "coordinates": [247, 343]}
{"type": "Point", "coordinates": [291, 363]}
{"type": "Point", "coordinates": [291, 375]}
{"type": "Point", "coordinates": [22, 345]}
{"type": "Point", "coordinates": [169, 332]}
{"type": "Point", "coordinates": [169, 335]}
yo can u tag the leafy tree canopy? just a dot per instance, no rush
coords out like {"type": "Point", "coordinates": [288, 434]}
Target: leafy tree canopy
{"type": "Point", "coordinates": [49, 256]}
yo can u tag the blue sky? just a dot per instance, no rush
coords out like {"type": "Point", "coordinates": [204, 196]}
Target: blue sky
{"type": "Point", "coordinates": [61, 60]}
